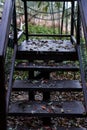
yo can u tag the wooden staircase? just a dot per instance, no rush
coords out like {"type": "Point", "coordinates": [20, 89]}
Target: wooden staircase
{"type": "Point", "coordinates": [46, 62]}
{"type": "Point", "coordinates": [39, 60]}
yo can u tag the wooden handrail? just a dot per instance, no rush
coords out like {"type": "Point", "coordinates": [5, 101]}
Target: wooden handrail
{"type": "Point", "coordinates": [5, 25]}
{"type": "Point", "coordinates": [83, 12]}
{"type": "Point", "coordinates": [4, 36]}
{"type": "Point", "coordinates": [84, 9]}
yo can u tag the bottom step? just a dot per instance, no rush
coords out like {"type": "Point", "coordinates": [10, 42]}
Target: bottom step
{"type": "Point", "coordinates": [48, 128]}
{"type": "Point", "coordinates": [47, 109]}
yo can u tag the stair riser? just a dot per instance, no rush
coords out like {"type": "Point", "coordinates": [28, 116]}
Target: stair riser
{"type": "Point", "coordinates": [46, 115]}
{"type": "Point", "coordinates": [47, 56]}
{"type": "Point", "coordinates": [46, 69]}
{"type": "Point", "coordinates": [46, 90]}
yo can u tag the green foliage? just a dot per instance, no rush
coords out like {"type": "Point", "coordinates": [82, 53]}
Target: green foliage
{"type": "Point", "coordinates": [37, 29]}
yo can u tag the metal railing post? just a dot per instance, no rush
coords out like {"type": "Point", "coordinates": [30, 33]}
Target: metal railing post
{"type": "Point", "coordinates": [2, 96]}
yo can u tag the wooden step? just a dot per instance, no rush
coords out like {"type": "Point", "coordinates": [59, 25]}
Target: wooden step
{"type": "Point", "coordinates": [47, 85]}
{"type": "Point", "coordinates": [47, 109]}
{"type": "Point", "coordinates": [48, 128]}
{"type": "Point", "coordinates": [57, 56]}
{"type": "Point", "coordinates": [25, 66]}
{"type": "Point", "coordinates": [47, 49]}
{"type": "Point", "coordinates": [47, 45]}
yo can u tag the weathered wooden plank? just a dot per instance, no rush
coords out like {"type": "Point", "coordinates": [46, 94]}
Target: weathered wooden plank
{"type": "Point", "coordinates": [47, 109]}
{"type": "Point", "coordinates": [43, 67]}
{"type": "Point", "coordinates": [47, 85]}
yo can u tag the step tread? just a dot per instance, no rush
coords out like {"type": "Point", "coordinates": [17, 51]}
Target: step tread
{"type": "Point", "coordinates": [47, 46]}
{"type": "Point", "coordinates": [60, 85]}
{"type": "Point", "coordinates": [47, 49]}
{"type": "Point", "coordinates": [49, 109]}
{"type": "Point", "coordinates": [49, 127]}
{"type": "Point", "coordinates": [49, 66]}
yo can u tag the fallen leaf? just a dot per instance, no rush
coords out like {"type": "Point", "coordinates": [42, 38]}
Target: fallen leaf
{"type": "Point", "coordinates": [43, 107]}
{"type": "Point", "coordinates": [62, 110]}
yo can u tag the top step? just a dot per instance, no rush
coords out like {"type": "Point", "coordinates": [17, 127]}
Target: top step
{"type": "Point", "coordinates": [47, 45]}
{"type": "Point", "coordinates": [47, 49]}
